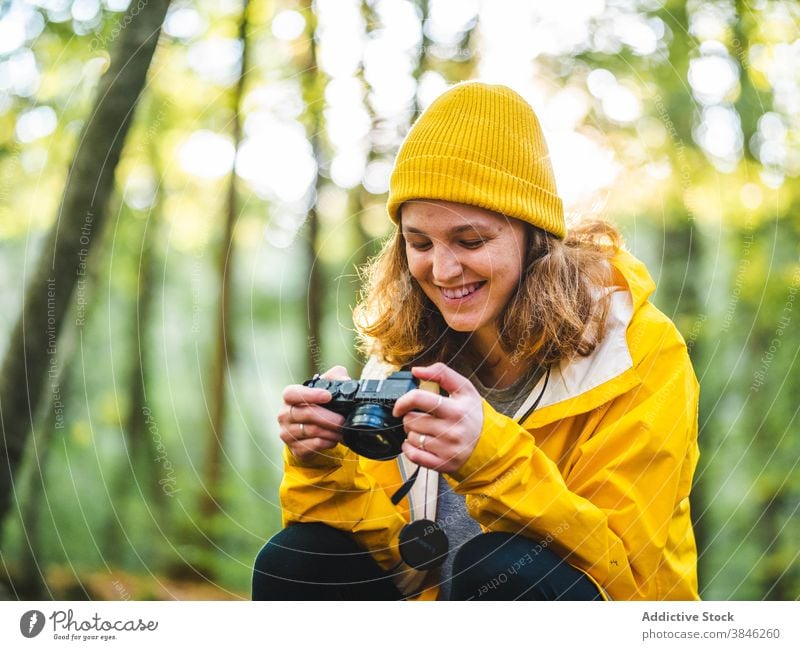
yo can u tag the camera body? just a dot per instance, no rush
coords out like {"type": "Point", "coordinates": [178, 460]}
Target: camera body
{"type": "Point", "coordinates": [369, 427]}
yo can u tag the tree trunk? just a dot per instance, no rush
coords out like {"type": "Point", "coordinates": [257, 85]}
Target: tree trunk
{"type": "Point", "coordinates": [312, 94]}
{"type": "Point", "coordinates": [224, 341]}
{"type": "Point", "coordinates": [29, 582]}
{"type": "Point", "coordinates": [140, 443]}
{"type": "Point", "coordinates": [750, 102]}
{"type": "Point", "coordinates": [139, 466]}
{"type": "Point", "coordinates": [32, 353]}
{"type": "Point", "coordinates": [422, 59]}
{"type": "Point", "coordinates": [776, 577]}
{"type": "Point", "coordinates": [364, 248]}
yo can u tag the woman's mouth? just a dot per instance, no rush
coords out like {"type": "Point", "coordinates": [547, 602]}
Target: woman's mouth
{"type": "Point", "coordinates": [461, 294]}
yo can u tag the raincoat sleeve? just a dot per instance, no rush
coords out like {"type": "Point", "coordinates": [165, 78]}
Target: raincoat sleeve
{"type": "Point", "coordinates": [610, 514]}
{"type": "Point", "coordinates": [335, 490]}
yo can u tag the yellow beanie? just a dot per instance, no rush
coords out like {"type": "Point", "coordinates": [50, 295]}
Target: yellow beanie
{"type": "Point", "coordinates": [481, 145]}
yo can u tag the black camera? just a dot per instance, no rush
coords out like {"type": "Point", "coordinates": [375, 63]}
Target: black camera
{"type": "Point", "coordinates": [369, 428]}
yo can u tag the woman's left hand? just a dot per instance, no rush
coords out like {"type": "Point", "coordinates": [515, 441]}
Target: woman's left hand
{"type": "Point", "coordinates": [443, 435]}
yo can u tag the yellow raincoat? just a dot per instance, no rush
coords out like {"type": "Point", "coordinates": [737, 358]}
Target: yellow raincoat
{"type": "Point", "coordinates": [600, 472]}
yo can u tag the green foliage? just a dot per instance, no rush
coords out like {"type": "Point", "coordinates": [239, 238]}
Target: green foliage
{"type": "Point", "coordinates": [718, 230]}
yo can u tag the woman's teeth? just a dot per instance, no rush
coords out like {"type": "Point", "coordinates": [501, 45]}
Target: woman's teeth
{"type": "Point", "coordinates": [460, 292]}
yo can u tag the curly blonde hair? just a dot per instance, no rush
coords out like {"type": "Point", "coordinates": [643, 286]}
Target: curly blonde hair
{"type": "Point", "coordinates": [557, 311]}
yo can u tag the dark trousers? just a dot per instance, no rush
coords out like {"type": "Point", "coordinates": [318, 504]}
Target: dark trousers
{"type": "Point", "coordinates": [317, 562]}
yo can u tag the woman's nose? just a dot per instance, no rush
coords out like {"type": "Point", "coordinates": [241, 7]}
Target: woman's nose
{"type": "Point", "coordinates": [446, 265]}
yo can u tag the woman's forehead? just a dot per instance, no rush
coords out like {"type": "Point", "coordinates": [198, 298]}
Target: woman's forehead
{"type": "Point", "coordinates": [445, 217]}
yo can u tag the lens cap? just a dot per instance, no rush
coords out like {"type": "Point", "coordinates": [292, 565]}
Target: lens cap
{"type": "Point", "coordinates": [423, 544]}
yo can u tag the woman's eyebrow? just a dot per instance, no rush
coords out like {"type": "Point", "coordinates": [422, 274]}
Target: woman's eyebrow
{"type": "Point", "coordinates": [452, 231]}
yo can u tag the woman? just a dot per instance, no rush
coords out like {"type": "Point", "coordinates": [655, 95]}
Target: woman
{"type": "Point", "coordinates": [560, 462]}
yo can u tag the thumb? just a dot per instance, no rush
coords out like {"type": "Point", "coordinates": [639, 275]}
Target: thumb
{"type": "Point", "coordinates": [337, 372]}
{"type": "Point", "coordinates": [443, 375]}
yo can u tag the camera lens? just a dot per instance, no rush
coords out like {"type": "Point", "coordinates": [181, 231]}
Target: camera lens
{"type": "Point", "coordinates": [372, 432]}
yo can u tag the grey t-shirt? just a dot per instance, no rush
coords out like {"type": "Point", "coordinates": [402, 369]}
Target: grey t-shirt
{"type": "Point", "coordinates": [451, 511]}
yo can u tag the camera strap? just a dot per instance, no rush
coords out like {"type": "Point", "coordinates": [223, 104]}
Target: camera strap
{"type": "Point", "coordinates": [538, 398]}
{"type": "Point", "coordinates": [423, 544]}
{"type": "Point", "coordinates": [405, 488]}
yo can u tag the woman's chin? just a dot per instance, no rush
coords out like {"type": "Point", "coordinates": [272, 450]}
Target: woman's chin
{"type": "Point", "coordinates": [461, 326]}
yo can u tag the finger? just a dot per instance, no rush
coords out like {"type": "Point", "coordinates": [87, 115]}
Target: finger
{"type": "Point", "coordinates": [337, 372]}
{"type": "Point", "coordinates": [324, 417]}
{"type": "Point", "coordinates": [303, 431]}
{"type": "Point", "coordinates": [311, 447]}
{"type": "Point", "coordinates": [297, 395]}
{"type": "Point", "coordinates": [312, 414]}
{"type": "Point", "coordinates": [421, 457]}
{"type": "Point", "coordinates": [295, 433]}
{"type": "Point", "coordinates": [445, 376]}
{"type": "Point", "coordinates": [289, 414]}
{"type": "Point", "coordinates": [426, 402]}
{"type": "Point", "coordinates": [429, 425]}
{"type": "Point", "coordinates": [424, 442]}
{"type": "Point", "coordinates": [433, 454]}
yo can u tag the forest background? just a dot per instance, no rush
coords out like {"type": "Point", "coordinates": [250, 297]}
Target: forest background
{"type": "Point", "coordinates": [187, 190]}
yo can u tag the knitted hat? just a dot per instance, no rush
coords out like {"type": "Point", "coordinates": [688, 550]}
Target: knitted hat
{"type": "Point", "coordinates": [480, 145]}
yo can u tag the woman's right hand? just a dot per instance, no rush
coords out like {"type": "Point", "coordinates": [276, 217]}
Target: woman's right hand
{"type": "Point", "coordinates": [306, 427]}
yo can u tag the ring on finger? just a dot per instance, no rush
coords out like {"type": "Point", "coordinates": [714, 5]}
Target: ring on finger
{"type": "Point", "coordinates": [422, 438]}
{"type": "Point", "coordinates": [303, 429]}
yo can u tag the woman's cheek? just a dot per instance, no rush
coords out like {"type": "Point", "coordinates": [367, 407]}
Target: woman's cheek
{"type": "Point", "coordinates": [415, 266]}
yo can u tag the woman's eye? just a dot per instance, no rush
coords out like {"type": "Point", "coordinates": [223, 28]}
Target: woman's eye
{"type": "Point", "coordinates": [419, 247]}
{"type": "Point", "coordinates": [472, 244]}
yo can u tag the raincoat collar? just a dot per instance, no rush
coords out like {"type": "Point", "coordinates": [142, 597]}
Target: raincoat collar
{"type": "Point", "coordinates": [581, 384]}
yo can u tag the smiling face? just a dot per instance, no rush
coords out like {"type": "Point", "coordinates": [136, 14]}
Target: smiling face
{"type": "Point", "coordinates": [467, 260]}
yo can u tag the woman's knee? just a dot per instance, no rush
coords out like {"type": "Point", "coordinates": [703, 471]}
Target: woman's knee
{"type": "Point", "coordinates": [502, 566]}
{"type": "Point", "coordinates": [317, 562]}
{"type": "Point", "coordinates": [301, 545]}
{"type": "Point", "coordinates": [480, 563]}
{"type": "Point", "coordinates": [291, 564]}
